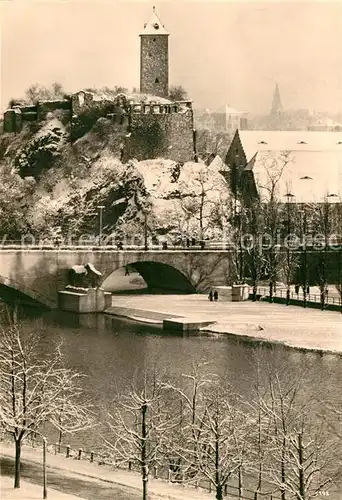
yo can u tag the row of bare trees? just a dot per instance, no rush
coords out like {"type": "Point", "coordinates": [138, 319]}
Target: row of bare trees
{"type": "Point", "coordinates": [278, 443]}
{"type": "Point", "coordinates": [281, 440]}
{"type": "Point", "coordinates": [275, 238]}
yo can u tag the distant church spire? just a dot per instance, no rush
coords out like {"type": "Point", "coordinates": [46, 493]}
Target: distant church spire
{"type": "Point", "coordinates": [277, 107]}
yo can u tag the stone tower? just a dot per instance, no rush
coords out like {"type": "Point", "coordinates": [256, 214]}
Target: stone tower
{"type": "Point", "coordinates": [277, 107]}
{"type": "Point", "coordinates": [154, 58]}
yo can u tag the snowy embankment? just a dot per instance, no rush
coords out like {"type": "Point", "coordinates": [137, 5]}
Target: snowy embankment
{"type": "Point", "coordinates": [291, 326]}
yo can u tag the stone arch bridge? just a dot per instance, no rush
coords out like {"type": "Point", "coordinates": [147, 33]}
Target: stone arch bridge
{"type": "Point", "coordinates": [36, 275]}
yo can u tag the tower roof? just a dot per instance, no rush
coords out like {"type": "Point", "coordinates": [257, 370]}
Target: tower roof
{"type": "Point", "coordinates": [276, 103]}
{"type": "Point", "coordinates": [154, 26]}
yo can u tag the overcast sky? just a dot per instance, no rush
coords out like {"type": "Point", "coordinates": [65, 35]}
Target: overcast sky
{"type": "Point", "coordinates": [221, 52]}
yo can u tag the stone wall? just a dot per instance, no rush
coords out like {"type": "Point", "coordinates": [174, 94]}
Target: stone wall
{"type": "Point", "coordinates": [45, 107]}
{"type": "Point", "coordinates": [16, 116]}
{"type": "Point", "coordinates": [151, 130]}
{"type": "Point", "coordinates": [87, 109]}
{"type": "Point", "coordinates": [161, 131]}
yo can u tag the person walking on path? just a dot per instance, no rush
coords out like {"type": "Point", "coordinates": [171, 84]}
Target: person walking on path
{"type": "Point", "coordinates": [210, 296]}
{"type": "Point", "coordinates": [216, 296]}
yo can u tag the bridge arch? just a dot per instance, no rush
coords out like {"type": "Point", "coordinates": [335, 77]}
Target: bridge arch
{"type": "Point", "coordinates": [12, 291]}
{"type": "Point", "coordinates": [160, 277]}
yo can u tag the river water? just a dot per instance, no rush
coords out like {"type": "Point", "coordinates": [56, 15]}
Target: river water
{"type": "Point", "coordinates": [109, 351]}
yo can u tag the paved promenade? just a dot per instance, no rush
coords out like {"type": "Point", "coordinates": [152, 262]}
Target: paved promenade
{"type": "Point", "coordinates": [29, 491]}
{"type": "Point", "coordinates": [87, 478]}
{"type": "Point", "coordinates": [290, 325]}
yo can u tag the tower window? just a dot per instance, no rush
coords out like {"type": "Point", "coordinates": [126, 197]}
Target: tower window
{"type": "Point", "coordinates": [156, 80]}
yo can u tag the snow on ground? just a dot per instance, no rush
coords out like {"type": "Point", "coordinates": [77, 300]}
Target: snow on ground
{"type": "Point", "coordinates": [28, 491]}
{"type": "Point", "coordinates": [276, 323]}
{"type": "Point", "coordinates": [179, 192]}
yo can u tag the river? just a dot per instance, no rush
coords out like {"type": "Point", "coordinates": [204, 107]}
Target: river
{"type": "Point", "coordinates": [109, 350]}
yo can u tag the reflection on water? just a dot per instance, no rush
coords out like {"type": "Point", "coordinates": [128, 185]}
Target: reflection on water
{"type": "Point", "coordinates": [110, 350]}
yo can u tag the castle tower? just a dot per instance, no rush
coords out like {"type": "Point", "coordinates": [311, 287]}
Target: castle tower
{"type": "Point", "coordinates": [277, 107]}
{"type": "Point", "coordinates": [154, 58]}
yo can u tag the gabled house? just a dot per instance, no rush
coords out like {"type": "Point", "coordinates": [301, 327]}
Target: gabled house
{"type": "Point", "coordinates": [309, 164]}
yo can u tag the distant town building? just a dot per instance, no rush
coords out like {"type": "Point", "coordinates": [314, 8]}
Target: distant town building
{"type": "Point", "coordinates": [228, 119]}
{"type": "Point", "coordinates": [326, 125]}
{"type": "Point", "coordinates": [224, 119]}
{"type": "Point", "coordinates": [312, 164]}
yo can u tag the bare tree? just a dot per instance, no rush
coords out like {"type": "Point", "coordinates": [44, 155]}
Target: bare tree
{"type": "Point", "coordinates": [220, 444]}
{"type": "Point", "coordinates": [273, 168]}
{"type": "Point", "coordinates": [139, 425]}
{"type": "Point", "coordinates": [300, 452]}
{"type": "Point", "coordinates": [190, 390]}
{"type": "Point", "coordinates": [33, 390]}
{"type": "Point", "coordinates": [177, 93]}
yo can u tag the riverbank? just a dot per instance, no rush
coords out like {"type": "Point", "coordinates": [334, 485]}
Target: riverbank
{"type": "Point", "coordinates": [260, 321]}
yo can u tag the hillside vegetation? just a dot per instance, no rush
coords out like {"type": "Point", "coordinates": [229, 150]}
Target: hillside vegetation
{"type": "Point", "coordinates": [52, 186]}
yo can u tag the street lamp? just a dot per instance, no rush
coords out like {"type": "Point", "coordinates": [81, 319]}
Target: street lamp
{"type": "Point", "coordinates": [44, 439]}
{"type": "Point", "coordinates": [100, 207]}
{"type": "Point", "coordinates": [44, 467]}
{"type": "Point", "coordinates": [288, 197]}
{"type": "Point", "coordinates": [306, 278]}
{"type": "Point", "coordinates": [145, 230]}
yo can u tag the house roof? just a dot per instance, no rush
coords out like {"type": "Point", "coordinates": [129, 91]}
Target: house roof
{"type": "Point", "coordinates": [314, 163]}
{"type": "Point", "coordinates": [326, 122]}
{"type": "Point", "coordinates": [226, 109]}
{"type": "Point", "coordinates": [218, 164]}
{"type": "Point", "coordinates": [154, 26]}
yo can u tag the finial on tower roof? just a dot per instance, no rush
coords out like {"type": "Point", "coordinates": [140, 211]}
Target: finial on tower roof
{"type": "Point", "coordinates": [154, 9]}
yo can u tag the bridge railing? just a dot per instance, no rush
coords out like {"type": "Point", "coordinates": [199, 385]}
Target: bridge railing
{"type": "Point", "coordinates": [17, 245]}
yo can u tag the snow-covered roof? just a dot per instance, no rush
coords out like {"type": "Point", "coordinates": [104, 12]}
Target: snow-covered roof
{"type": "Point", "coordinates": [218, 164]}
{"type": "Point", "coordinates": [154, 26]}
{"type": "Point", "coordinates": [296, 140]}
{"type": "Point", "coordinates": [314, 168]}
{"type": "Point", "coordinates": [326, 122]}
{"type": "Point", "coordinates": [226, 109]}
{"type": "Point", "coordinates": [134, 97]}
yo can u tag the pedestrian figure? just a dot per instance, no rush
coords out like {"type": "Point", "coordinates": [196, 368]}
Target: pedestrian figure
{"type": "Point", "coordinates": [216, 295]}
{"type": "Point", "coordinates": [210, 296]}
{"type": "Point", "coordinates": [308, 290]}
{"type": "Point", "coordinates": [126, 271]}
{"type": "Point", "coordinates": [297, 289]}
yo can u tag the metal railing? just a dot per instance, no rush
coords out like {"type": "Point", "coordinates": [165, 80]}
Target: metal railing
{"type": "Point", "coordinates": [310, 297]}
{"type": "Point", "coordinates": [158, 471]}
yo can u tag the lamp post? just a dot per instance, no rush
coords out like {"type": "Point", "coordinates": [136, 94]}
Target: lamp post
{"type": "Point", "coordinates": [44, 439]}
{"type": "Point", "coordinates": [44, 467]}
{"type": "Point", "coordinates": [305, 278]}
{"type": "Point", "coordinates": [145, 231]}
{"type": "Point", "coordinates": [288, 196]}
{"type": "Point", "coordinates": [100, 207]}
{"type": "Point", "coordinates": [328, 233]}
